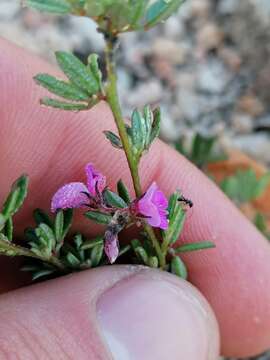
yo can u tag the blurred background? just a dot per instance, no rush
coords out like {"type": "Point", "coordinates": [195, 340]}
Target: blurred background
{"type": "Point", "coordinates": [208, 66]}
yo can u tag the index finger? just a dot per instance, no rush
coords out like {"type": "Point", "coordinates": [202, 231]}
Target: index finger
{"type": "Point", "coordinates": [53, 147]}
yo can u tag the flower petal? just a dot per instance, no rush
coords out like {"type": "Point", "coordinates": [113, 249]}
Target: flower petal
{"type": "Point", "coordinates": [69, 196]}
{"type": "Point", "coordinates": [94, 179]}
{"type": "Point", "coordinates": [111, 246]}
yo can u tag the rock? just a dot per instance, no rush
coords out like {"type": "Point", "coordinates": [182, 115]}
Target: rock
{"type": "Point", "coordinates": [242, 123]}
{"type": "Point", "coordinates": [251, 105]}
{"type": "Point", "coordinates": [231, 58]}
{"type": "Point", "coordinates": [169, 50]}
{"type": "Point", "coordinates": [213, 77]}
{"type": "Point", "coordinates": [150, 92]}
{"type": "Point", "coordinates": [227, 7]}
{"type": "Point", "coordinates": [209, 37]}
{"type": "Point", "coordinates": [256, 145]}
{"type": "Point", "coordinates": [200, 8]}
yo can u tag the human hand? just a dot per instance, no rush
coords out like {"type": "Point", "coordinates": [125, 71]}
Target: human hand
{"type": "Point", "coordinates": [143, 314]}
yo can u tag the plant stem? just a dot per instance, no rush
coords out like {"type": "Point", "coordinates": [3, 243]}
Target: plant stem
{"type": "Point", "coordinates": [9, 249]}
{"type": "Point", "coordinates": [113, 100]}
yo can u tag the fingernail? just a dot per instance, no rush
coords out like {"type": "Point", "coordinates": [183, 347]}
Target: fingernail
{"type": "Point", "coordinates": [157, 317]}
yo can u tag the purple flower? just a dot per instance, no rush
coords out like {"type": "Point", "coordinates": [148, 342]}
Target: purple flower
{"type": "Point", "coordinates": [153, 206]}
{"type": "Point", "coordinates": [111, 246]}
{"type": "Point", "coordinates": [74, 195]}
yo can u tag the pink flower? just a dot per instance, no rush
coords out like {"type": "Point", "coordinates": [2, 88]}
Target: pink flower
{"type": "Point", "coordinates": [153, 206]}
{"type": "Point", "coordinates": [74, 195]}
{"type": "Point", "coordinates": [111, 246]}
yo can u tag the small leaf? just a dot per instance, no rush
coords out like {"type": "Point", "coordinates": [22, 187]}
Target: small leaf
{"type": "Point", "coordinates": [114, 139]}
{"type": "Point", "coordinates": [52, 6]}
{"type": "Point", "coordinates": [94, 68]}
{"type": "Point", "coordinates": [155, 125]}
{"type": "Point", "coordinates": [42, 273]}
{"type": "Point", "coordinates": [92, 243]}
{"type": "Point", "coordinates": [124, 250]}
{"type": "Point", "coordinates": [41, 216]}
{"type": "Point", "coordinates": [77, 72]}
{"type": "Point", "coordinates": [61, 88]}
{"type": "Point", "coordinates": [195, 247]}
{"type": "Point", "coordinates": [98, 217]}
{"type": "Point", "coordinates": [178, 267]}
{"type": "Point", "coordinates": [16, 197]}
{"type": "Point", "coordinates": [161, 10]}
{"type": "Point", "coordinates": [96, 254]}
{"type": "Point", "coordinates": [47, 238]}
{"type": "Point", "coordinates": [138, 131]}
{"type": "Point", "coordinates": [68, 217]}
{"type": "Point", "coordinates": [153, 262]}
{"type": "Point", "coordinates": [114, 200]}
{"type": "Point", "coordinates": [123, 191]}
{"type": "Point", "coordinates": [141, 254]}
{"type": "Point", "coordinates": [58, 226]}
{"type": "Point", "coordinates": [63, 105]}
{"type": "Point", "coordinates": [8, 229]}
{"type": "Point", "coordinates": [72, 260]}
{"type": "Point", "coordinates": [176, 216]}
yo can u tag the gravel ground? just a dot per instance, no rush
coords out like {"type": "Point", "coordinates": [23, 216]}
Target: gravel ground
{"type": "Point", "coordinates": [208, 67]}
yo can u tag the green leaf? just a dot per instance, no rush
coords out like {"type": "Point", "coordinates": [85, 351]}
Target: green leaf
{"type": "Point", "coordinates": [260, 222]}
{"type": "Point", "coordinates": [139, 7]}
{"type": "Point", "coordinates": [72, 260]}
{"type": "Point", "coordinates": [96, 254]}
{"type": "Point", "coordinates": [141, 254]}
{"type": "Point", "coordinates": [92, 243]}
{"type": "Point", "coordinates": [41, 216]}
{"type": "Point", "coordinates": [176, 216]}
{"type": "Point", "coordinates": [155, 125]}
{"type": "Point", "coordinates": [16, 197]}
{"type": "Point", "coordinates": [123, 192]}
{"type": "Point", "coordinates": [114, 139]}
{"type": "Point", "coordinates": [98, 217]}
{"type": "Point", "coordinates": [178, 267]}
{"type": "Point", "coordinates": [68, 217]}
{"type": "Point", "coordinates": [94, 68]}
{"type": "Point", "coordinates": [160, 11]}
{"type": "Point", "coordinates": [8, 230]}
{"type": "Point", "coordinates": [244, 186]}
{"type": "Point", "coordinates": [41, 273]}
{"type": "Point", "coordinates": [46, 237]}
{"type": "Point", "coordinates": [114, 200]}
{"type": "Point", "coordinates": [153, 262]}
{"type": "Point", "coordinates": [195, 247]}
{"type": "Point", "coordinates": [52, 6]}
{"type": "Point", "coordinates": [58, 226]}
{"type": "Point", "coordinates": [138, 131]}
{"type": "Point", "coordinates": [61, 88]}
{"type": "Point", "coordinates": [77, 72]}
{"type": "Point", "coordinates": [57, 104]}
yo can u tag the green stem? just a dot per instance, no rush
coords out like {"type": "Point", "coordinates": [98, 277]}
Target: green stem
{"type": "Point", "coordinates": [9, 249]}
{"type": "Point", "coordinates": [113, 100]}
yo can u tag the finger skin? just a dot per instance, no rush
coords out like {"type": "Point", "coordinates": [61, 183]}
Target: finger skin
{"type": "Point", "coordinates": [53, 147]}
{"type": "Point", "coordinates": [70, 318]}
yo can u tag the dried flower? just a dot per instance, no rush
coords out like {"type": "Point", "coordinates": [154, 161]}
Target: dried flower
{"type": "Point", "coordinates": [153, 206]}
{"type": "Point", "coordinates": [77, 194]}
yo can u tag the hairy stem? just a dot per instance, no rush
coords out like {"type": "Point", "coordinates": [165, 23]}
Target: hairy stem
{"type": "Point", "coordinates": [113, 100]}
{"type": "Point", "coordinates": [9, 249]}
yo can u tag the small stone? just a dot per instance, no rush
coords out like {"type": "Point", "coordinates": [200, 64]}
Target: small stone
{"type": "Point", "coordinates": [209, 37]}
{"type": "Point", "coordinates": [231, 58]}
{"type": "Point", "coordinates": [150, 92]}
{"type": "Point", "coordinates": [251, 105]}
{"type": "Point", "coordinates": [213, 77]}
{"type": "Point", "coordinates": [200, 8]}
{"type": "Point", "coordinates": [227, 7]}
{"type": "Point", "coordinates": [169, 50]}
{"type": "Point", "coordinates": [256, 145]}
{"type": "Point", "coordinates": [242, 123]}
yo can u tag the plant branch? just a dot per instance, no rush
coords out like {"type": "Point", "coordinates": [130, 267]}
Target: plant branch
{"type": "Point", "coordinates": [113, 100]}
{"type": "Point", "coordinates": [9, 249]}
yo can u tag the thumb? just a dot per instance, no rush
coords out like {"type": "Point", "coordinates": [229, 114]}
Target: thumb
{"type": "Point", "coordinates": [118, 312]}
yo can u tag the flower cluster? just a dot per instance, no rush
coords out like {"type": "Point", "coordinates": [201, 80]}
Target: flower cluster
{"type": "Point", "coordinates": [151, 207]}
